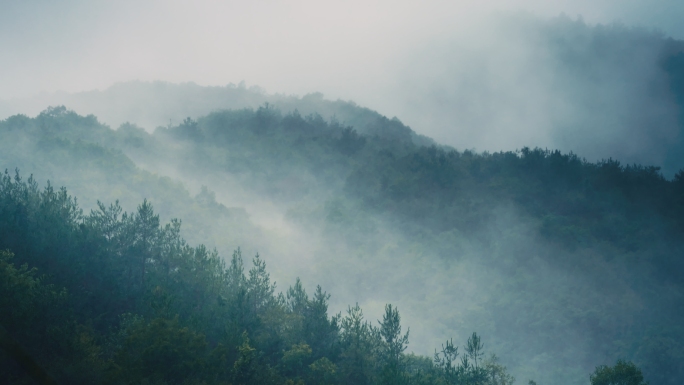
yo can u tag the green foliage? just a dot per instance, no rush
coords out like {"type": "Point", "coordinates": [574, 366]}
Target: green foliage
{"type": "Point", "coordinates": [248, 370]}
{"type": "Point", "coordinates": [36, 318]}
{"type": "Point", "coordinates": [446, 361]}
{"type": "Point", "coordinates": [618, 227]}
{"type": "Point", "coordinates": [157, 321]}
{"type": "Point", "coordinates": [394, 345]}
{"type": "Point", "coordinates": [160, 351]}
{"type": "Point", "coordinates": [244, 368]}
{"type": "Point", "coordinates": [623, 373]}
{"type": "Point", "coordinates": [360, 342]}
{"type": "Point", "coordinates": [471, 369]}
{"type": "Point", "coordinates": [323, 371]}
{"type": "Point", "coordinates": [496, 373]}
{"type": "Point", "coordinates": [295, 359]}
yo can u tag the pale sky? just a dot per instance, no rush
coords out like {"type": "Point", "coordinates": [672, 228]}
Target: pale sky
{"type": "Point", "coordinates": [341, 48]}
{"type": "Point", "coordinates": [415, 60]}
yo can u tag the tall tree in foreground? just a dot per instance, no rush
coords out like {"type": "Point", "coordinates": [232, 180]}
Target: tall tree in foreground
{"type": "Point", "coordinates": [394, 345]}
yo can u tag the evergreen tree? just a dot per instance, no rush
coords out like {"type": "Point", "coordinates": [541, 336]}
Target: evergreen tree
{"type": "Point", "coordinates": [623, 373]}
{"type": "Point", "coordinates": [394, 344]}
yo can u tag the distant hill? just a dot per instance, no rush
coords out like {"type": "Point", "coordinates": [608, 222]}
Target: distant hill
{"type": "Point", "coordinates": [153, 104]}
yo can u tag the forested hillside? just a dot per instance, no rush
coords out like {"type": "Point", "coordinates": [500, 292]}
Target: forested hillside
{"type": "Point", "coordinates": [127, 300]}
{"type": "Point", "coordinates": [560, 264]}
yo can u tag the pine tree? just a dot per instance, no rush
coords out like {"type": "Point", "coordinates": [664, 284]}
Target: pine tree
{"type": "Point", "coordinates": [394, 344]}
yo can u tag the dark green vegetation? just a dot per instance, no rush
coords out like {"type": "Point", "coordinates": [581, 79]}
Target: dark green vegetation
{"type": "Point", "coordinates": [127, 301]}
{"type": "Point", "coordinates": [623, 373]}
{"type": "Point", "coordinates": [562, 264]}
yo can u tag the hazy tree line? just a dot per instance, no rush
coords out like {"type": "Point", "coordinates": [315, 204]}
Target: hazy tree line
{"type": "Point", "coordinates": [122, 287]}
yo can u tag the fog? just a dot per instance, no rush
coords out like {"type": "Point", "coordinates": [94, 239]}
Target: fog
{"type": "Point", "coordinates": [492, 77]}
{"type": "Point", "coordinates": [599, 91]}
{"type": "Point", "coordinates": [343, 49]}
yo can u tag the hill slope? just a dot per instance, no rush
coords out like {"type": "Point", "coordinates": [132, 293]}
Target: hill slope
{"type": "Point", "coordinates": [561, 263]}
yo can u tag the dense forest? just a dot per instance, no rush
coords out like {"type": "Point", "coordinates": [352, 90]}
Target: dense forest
{"type": "Point", "coordinates": [127, 300]}
{"type": "Point", "coordinates": [563, 265]}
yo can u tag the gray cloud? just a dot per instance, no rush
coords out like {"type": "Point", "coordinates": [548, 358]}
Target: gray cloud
{"type": "Point", "coordinates": [600, 91]}
{"type": "Point", "coordinates": [340, 48]}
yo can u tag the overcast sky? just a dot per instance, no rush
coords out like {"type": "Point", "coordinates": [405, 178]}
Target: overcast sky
{"type": "Point", "coordinates": [341, 48]}
{"type": "Point", "coordinates": [381, 54]}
